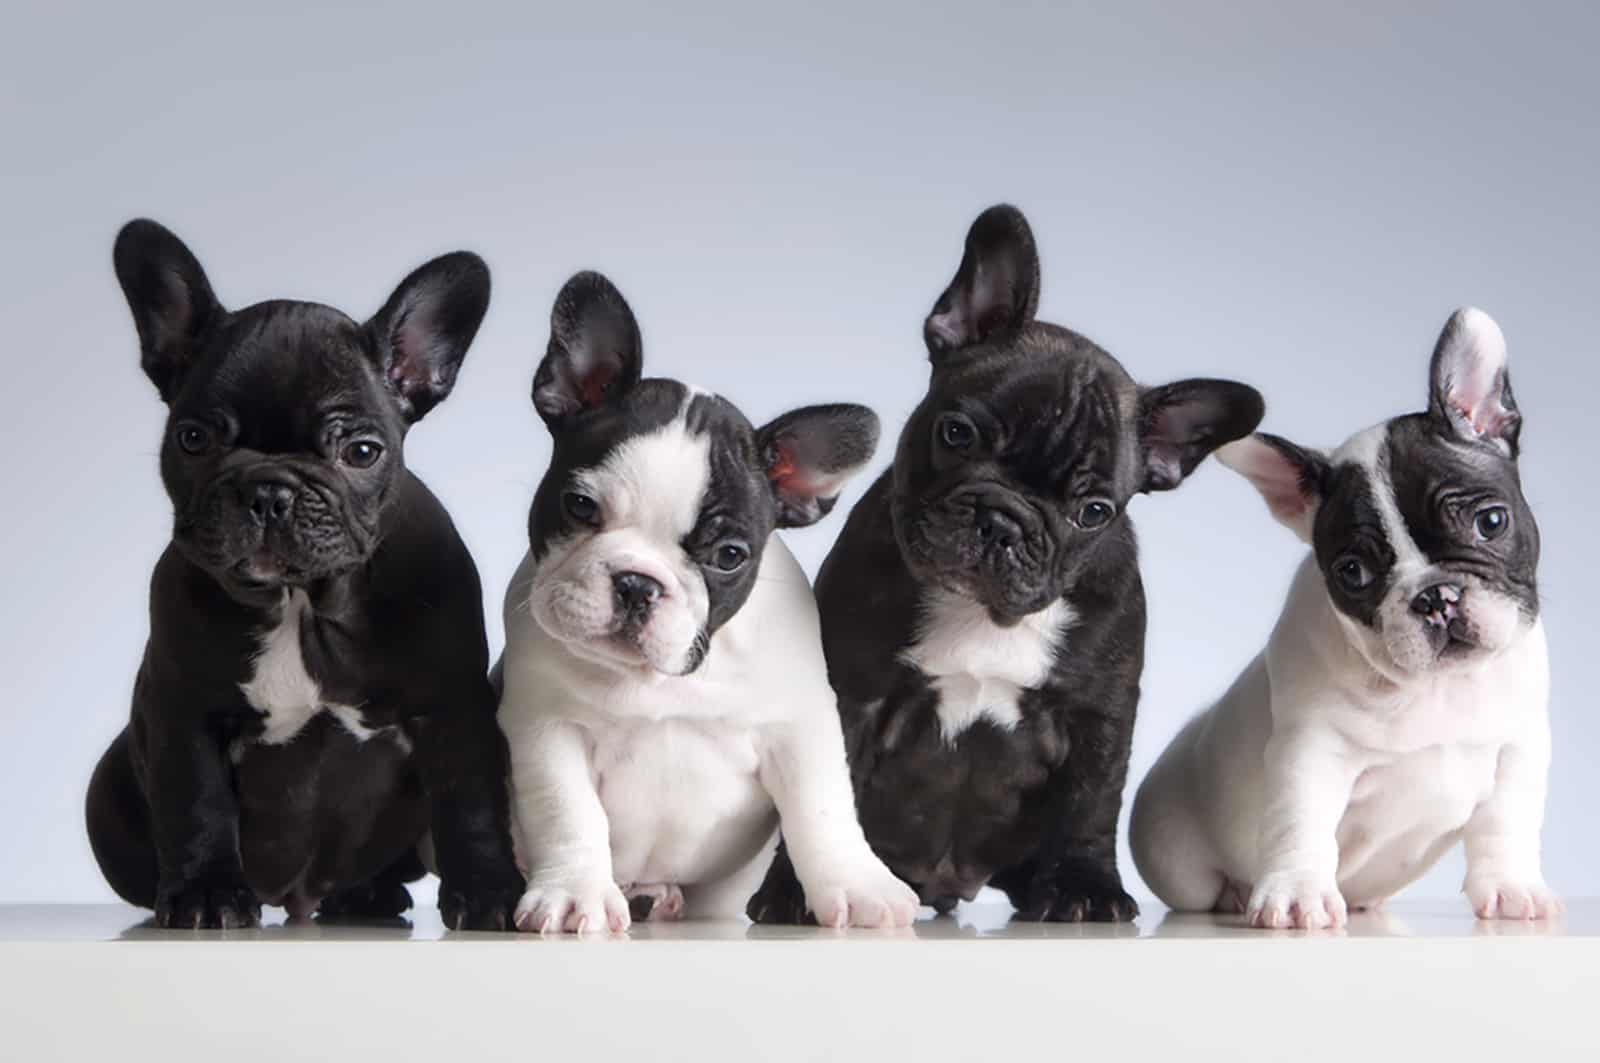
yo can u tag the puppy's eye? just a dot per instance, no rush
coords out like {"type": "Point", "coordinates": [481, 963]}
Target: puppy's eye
{"type": "Point", "coordinates": [581, 507]}
{"type": "Point", "coordinates": [193, 438]}
{"type": "Point", "coordinates": [1492, 523]}
{"type": "Point", "coordinates": [956, 432]}
{"type": "Point", "coordinates": [730, 556]}
{"type": "Point", "coordinates": [1352, 573]}
{"type": "Point", "coordinates": [361, 454]}
{"type": "Point", "coordinates": [1095, 513]}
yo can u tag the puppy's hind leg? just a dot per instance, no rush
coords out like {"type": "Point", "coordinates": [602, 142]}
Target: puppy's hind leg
{"type": "Point", "coordinates": [1171, 851]}
{"type": "Point", "coordinates": [118, 817]}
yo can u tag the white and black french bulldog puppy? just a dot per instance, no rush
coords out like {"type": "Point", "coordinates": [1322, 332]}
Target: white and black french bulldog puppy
{"type": "Point", "coordinates": [1401, 701]}
{"type": "Point", "coordinates": [664, 692]}
{"type": "Point", "coordinates": [982, 612]}
{"type": "Point", "coordinates": [314, 694]}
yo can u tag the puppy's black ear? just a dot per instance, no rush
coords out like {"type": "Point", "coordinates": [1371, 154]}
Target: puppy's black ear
{"type": "Point", "coordinates": [171, 300]}
{"type": "Point", "coordinates": [1471, 386]}
{"type": "Point", "coordinates": [422, 333]}
{"type": "Point", "coordinates": [595, 354]}
{"type": "Point", "coordinates": [809, 454]}
{"type": "Point", "coordinates": [1179, 424]}
{"type": "Point", "coordinates": [996, 289]}
{"type": "Point", "coordinates": [1290, 478]}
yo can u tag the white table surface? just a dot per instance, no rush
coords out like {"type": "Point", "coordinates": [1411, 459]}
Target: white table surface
{"type": "Point", "coordinates": [1419, 980]}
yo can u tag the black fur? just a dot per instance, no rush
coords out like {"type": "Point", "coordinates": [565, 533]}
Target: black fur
{"type": "Point", "coordinates": [1048, 425]}
{"type": "Point", "coordinates": [275, 406]}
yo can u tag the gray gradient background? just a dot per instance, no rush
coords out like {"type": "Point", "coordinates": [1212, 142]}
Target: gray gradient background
{"type": "Point", "coordinates": [1290, 196]}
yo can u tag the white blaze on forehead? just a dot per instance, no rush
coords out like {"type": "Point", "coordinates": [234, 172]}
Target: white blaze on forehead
{"type": "Point", "coordinates": [1370, 451]}
{"type": "Point", "coordinates": [655, 483]}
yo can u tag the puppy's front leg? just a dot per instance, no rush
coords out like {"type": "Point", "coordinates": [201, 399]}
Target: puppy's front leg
{"type": "Point", "coordinates": [1504, 879]}
{"type": "Point", "coordinates": [195, 823]}
{"type": "Point", "coordinates": [566, 837]}
{"type": "Point", "coordinates": [462, 757]}
{"type": "Point", "coordinates": [1075, 877]}
{"type": "Point", "coordinates": [1308, 778]}
{"type": "Point", "coordinates": [803, 768]}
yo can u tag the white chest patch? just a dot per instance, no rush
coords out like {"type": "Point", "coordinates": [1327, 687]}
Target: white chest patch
{"type": "Point", "coordinates": [979, 668]}
{"type": "Point", "coordinates": [282, 690]}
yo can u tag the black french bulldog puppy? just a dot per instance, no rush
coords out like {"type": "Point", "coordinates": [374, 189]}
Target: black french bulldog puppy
{"type": "Point", "coordinates": [982, 612]}
{"type": "Point", "coordinates": [314, 695]}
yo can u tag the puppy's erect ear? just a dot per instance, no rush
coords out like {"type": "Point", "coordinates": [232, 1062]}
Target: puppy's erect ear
{"type": "Point", "coordinates": [423, 331]}
{"type": "Point", "coordinates": [996, 289]}
{"type": "Point", "coordinates": [595, 355]}
{"type": "Point", "coordinates": [1471, 386]}
{"type": "Point", "coordinates": [1179, 424]}
{"type": "Point", "coordinates": [810, 453]}
{"type": "Point", "coordinates": [171, 300]}
{"type": "Point", "coordinates": [1290, 478]}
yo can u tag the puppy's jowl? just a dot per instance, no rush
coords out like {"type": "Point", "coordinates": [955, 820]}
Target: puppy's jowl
{"type": "Point", "coordinates": [664, 692]}
{"type": "Point", "coordinates": [314, 693]}
{"type": "Point", "coordinates": [982, 612]}
{"type": "Point", "coordinates": [1401, 701]}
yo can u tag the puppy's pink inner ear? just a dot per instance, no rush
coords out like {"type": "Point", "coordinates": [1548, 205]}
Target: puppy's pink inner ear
{"type": "Point", "coordinates": [787, 477]}
{"type": "Point", "coordinates": [594, 384]}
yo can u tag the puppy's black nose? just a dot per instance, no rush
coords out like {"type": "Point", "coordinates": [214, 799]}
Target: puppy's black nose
{"type": "Point", "coordinates": [1437, 604]}
{"type": "Point", "coordinates": [998, 529]}
{"type": "Point", "coordinates": [270, 501]}
{"type": "Point", "coordinates": [635, 591]}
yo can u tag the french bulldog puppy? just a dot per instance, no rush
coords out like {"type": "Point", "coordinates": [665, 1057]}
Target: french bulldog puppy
{"type": "Point", "coordinates": [1401, 701]}
{"type": "Point", "coordinates": [664, 692]}
{"type": "Point", "coordinates": [314, 694]}
{"type": "Point", "coordinates": [982, 612]}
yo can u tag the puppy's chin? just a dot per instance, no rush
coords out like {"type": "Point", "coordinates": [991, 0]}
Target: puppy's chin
{"type": "Point", "coordinates": [1008, 593]}
{"type": "Point", "coordinates": [265, 572]}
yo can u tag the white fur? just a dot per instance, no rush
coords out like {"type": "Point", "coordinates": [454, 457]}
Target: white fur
{"type": "Point", "coordinates": [980, 668]}
{"type": "Point", "coordinates": [282, 690]}
{"type": "Point", "coordinates": [1320, 782]}
{"type": "Point", "coordinates": [631, 780]}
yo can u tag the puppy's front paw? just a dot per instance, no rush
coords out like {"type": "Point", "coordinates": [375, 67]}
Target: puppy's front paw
{"type": "Point", "coordinates": [1502, 897]}
{"type": "Point", "coordinates": [1296, 900]}
{"type": "Point", "coordinates": [868, 896]}
{"type": "Point", "coordinates": [207, 902]}
{"type": "Point", "coordinates": [577, 906]}
{"type": "Point", "coordinates": [478, 905]}
{"type": "Point", "coordinates": [1078, 896]}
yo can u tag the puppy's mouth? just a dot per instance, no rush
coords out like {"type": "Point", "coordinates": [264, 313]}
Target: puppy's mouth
{"type": "Point", "coordinates": [263, 568]}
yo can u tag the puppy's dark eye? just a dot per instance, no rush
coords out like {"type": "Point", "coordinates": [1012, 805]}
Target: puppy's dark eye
{"type": "Point", "coordinates": [193, 438]}
{"type": "Point", "coordinates": [1492, 523]}
{"type": "Point", "coordinates": [956, 432]}
{"type": "Point", "coordinates": [1095, 513]}
{"type": "Point", "coordinates": [1352, 573]}
{"type": "Point", "coordinates": [730, 556]}
{"type": "Point", "coordinates": [581, 507]}
{"type": "Point", "coordinates": [361, 454]}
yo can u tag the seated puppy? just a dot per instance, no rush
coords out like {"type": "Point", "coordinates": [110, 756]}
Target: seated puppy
{"type": "Point", "coordinates": [314, 693]}
{"type": "Point", "coordinates": [982, 612]}
{"type": "Point", "coordinates": [1400, 703]}
{"type": "Point", "coordinates": [664, 693]}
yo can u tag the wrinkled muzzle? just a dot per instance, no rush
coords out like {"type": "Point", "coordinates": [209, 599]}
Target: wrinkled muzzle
{"type": "Point", "coordinates": [619, 605]}
{"type": "Point", "coordinates": [986, 543]}
{"type": "Point", "coordinates": [1441, 619]}
{"type": "Point", "coordinates": [272, 524]}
